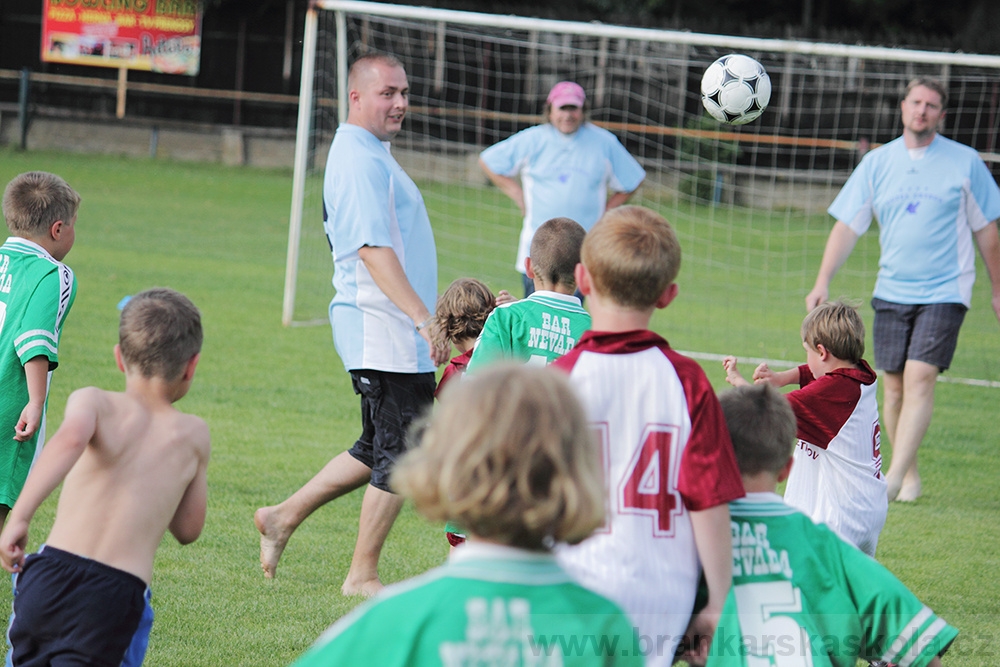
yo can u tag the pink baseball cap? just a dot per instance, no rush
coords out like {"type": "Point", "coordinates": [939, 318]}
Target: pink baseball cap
{"type": "Point", "coordinates": [566, 94]}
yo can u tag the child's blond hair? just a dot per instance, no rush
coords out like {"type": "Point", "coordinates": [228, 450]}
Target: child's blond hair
{"type": "Point", "coordinates": [510, 457]}
{"type": "Point", "coordinates": [838, 327]}
{"type": "Point", "coordinates": [555, 251]}
{"type": "Point", "coordinates": [159, 333]}
{"type": "Point", "coordinates": [35, 200]}
{"type": "Point", "coordinates": [462, 310]}
{"type": "Point", "coordinates": [761, 425]}
{"type": "Point", "coordinates": [632, 255]}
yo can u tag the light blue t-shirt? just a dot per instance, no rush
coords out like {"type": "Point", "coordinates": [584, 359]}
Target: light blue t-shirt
{"type": "Point", "coordinates": [563, 175]}
{"type": "Point", "coordinates": [927, 210]}
{"type": "Point", "coordinates": [369, 200]}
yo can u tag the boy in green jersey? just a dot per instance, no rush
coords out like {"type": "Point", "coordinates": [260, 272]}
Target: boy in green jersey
{"type": "Point", "coordinates": [801, 595]}
{"type": "Point", "coordinates": [36, 293]}
{"type": "Point", "coordinates": [545, 325]}
{"type": "Point", "coordinates": [510, 456]}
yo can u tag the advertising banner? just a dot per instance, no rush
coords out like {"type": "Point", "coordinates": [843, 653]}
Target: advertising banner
{"type": "Point", "coordinates": [151, 35]}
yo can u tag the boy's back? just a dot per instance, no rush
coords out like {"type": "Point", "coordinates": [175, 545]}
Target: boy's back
{"type": "Point", "coordinates": [123, 493]}
{"type": "Point", "coordinates": [801, 592]}
{"type": "Point", "coordinates": [837, 479]}
{"type": "Point", "coordinates": [535, 330]}
{"type": "Point", "coordinates": [666, 453]}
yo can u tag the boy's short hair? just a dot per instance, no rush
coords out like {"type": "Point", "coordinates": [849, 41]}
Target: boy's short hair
{"type": "Point", "coordinates": [838, 327]}
{"type": "Point", "coordinates": [33, 201]}
{"type": "Point", "coordinates": [462, 310]}
{"type": "Point", "coordinates": [555, 251]}
{"type": "Point", "coordinates": [632, 255]}
{"type": "Point", "coordinates": [160, 331]}
{"type": "Point", "coordinates": [762, 427]}
{"type": "Point", "coordinates": [509, 456]}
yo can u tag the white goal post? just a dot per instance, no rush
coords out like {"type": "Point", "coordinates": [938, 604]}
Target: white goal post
{"type": "Point", "coordinates": [748, 202]}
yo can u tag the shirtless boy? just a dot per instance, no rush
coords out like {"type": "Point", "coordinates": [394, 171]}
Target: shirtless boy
{"type": "Point", "coordinates": [134, 467]}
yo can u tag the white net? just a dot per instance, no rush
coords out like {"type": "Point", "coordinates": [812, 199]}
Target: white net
{"type": "Point", "coordinates": [748, 202]}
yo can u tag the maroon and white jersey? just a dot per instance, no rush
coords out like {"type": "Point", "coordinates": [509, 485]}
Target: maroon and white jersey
{"type": "Point", "coordinates": [666, 452]}
{"type": "Point", "coordinates": [837, 475]}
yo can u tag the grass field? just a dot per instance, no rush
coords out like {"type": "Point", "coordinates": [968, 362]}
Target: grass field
{"type": "Point", "coordinates": [280, 405]}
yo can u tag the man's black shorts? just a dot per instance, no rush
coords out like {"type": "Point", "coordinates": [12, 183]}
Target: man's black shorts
{"type": "Point", "coordinates": [927, 333]}
{"type": "Point", "coordinates": [389, 403]}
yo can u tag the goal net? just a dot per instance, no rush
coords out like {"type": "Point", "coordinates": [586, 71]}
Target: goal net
{"type": "Point", "coordinates": [748, 202]}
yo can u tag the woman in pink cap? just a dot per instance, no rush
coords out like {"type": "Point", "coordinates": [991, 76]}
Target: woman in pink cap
{"type": "Point", "coordinates": [567, 167]}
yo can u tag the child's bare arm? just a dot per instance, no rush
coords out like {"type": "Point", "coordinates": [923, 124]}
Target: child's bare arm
{"type": "Point", "coordinates": [714, 541]}
{"type": "Point", "coordinates": [189, 518]}
{"type": "Point", "coordinates": [779, 379]}
{"type": "Point", "coordinates": [37, 373]}
{"type": "Point", "coordinates": [733, 376]}
{"type": "Point", "coordinates": [55, 461]}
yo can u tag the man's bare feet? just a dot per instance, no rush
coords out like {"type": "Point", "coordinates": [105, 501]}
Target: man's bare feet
{"type": "Point", "coordinates": [362, 588]}
{"type": "Point", "coordinates": [909, 492]}
{"type": "Point", "coordinates": [272, 540]}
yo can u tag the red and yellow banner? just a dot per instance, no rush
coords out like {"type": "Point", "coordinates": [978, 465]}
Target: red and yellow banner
{"type": "Point", "coordinates": [151, 35]}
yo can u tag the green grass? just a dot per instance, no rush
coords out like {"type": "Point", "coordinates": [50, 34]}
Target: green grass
{"type": "Point", "coordinates": [279, 403]}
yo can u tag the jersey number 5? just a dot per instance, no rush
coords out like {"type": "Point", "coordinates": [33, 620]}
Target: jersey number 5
{"type": "Point", "coordinates": [648, 486]}
{"type": "Point", "coordinates": [769, 637]}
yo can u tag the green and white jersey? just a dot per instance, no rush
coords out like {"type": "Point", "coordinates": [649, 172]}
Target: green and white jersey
{"type": "Point", "coordinates": [802, 596]}
{"type": "Point", "coordinates": [488, 606]}
{"type": "Point", "coordinates": [36, 293]}
{"type": "Point", "coordinates": [535, 330]}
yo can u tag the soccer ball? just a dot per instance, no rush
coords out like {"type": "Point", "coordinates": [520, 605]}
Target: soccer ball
{"type": "Point", "coordinates": [735, 89]}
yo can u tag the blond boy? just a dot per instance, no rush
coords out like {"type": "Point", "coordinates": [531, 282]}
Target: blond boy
{"type": "Point", "coordinates": [36, 293]}
{"type": "Point", "coordinates": [669, 465]}
{"type": "Point", "coordinates": [547, 323]}
{"type": "Point", "coordinates": [837, 479]}
{"type": "Point", "coordinates": [800, 594]}
{"type": "Point", "coordinates": [134, 467]}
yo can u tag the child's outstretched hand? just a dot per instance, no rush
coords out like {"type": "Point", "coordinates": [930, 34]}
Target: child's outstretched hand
{"type": "Point", "coordinates": [762, 374]}
{"type": "Point", "coordinates": [733, 376]}
{"type": "Point", "coordinates": [503, 296]}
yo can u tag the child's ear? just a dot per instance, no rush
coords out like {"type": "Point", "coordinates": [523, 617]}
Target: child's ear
{"type": "Point", "coordinates": [528, 271]}
{"type": "Point", "coordinates": [189, 369]}
{"type": "Point", "coordinates": [786, 470]}
{"type": "Point", "coordinates": [118, 358]}
{"type": "Point", "coordinates": [56, 230]}
{"type": "Point", "coordinates": [582, 279]}
{"type": "Point", "coordinates": [668, 295]}
{"type": "Point", "coordinates": [823, 353]}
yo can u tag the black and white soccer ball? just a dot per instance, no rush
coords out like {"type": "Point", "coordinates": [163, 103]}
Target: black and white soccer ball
{"type": "Point", "coordinates": [735, 89]}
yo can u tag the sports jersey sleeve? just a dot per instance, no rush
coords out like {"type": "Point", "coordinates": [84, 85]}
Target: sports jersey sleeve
{"type": "Point", "coordinates": [984, 203]}
{"type": "Point", "coordinates": [48, 306]}
{"type": "Point", "coordinates": [507, 157]}
{"type": "Point", "coordinates": [358, 194]}
{"type": "Point", "coordinates": [626, 172]}
{"type": "Point", "coordinates": [854, 205]}
{"type": "Point", "coordinates": [899, 628]}
{"type": "Point", "coordinates": [822, 407]}
{"type": "Point", "coordinates": [495, 342]}
{"type": "Point", "coordinates": [709, 475]}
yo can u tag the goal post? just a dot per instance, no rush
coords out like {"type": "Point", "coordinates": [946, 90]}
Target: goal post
{"type": "Point", "coordinates": [748, 202]}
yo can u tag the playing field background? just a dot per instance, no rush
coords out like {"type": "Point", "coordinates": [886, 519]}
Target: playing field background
{"type": "Point", "coordinates": [280, 405]}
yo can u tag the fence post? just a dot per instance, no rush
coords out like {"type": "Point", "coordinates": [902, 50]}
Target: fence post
{"type": "Point", "coordinates": [22, 105]}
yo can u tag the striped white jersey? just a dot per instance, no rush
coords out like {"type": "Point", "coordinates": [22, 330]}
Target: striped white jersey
{"type": "Point", "coordinates": [837, 475]}
{"type": "Point", "coordinates": [666, 452]}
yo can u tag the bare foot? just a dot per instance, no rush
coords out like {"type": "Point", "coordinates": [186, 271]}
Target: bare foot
{"type": "Point", "coordinates": [909, 492]}
{"type": "Point", "coordinates": [272, 540]}
{"type": "Point", "coordinates": [362, 588]}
